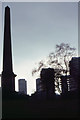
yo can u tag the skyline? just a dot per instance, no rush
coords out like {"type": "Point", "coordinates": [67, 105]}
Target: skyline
{"type": "Point", "coordinates": [51, 22]}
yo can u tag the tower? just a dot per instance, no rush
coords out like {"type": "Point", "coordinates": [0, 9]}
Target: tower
{"type": "Point", "coordinates": [74, 82]}
{"type": "Point", "coordinates": [47, 79]}
{"type": "Point", "coordinates": [8, 77]}
{"type": "Point", "coordinates": [39, 87]}
{"type": "Point", "coordinates": [22, 86]}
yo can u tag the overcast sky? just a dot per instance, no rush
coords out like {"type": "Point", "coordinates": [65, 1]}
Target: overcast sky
{"type": "Point", "coordinates": [35, 30]}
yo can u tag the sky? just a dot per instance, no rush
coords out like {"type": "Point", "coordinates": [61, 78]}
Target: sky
{"type": "Point", "coordinates": [39, 0]}
{"type": "Point", "coordinates": [36, 27]}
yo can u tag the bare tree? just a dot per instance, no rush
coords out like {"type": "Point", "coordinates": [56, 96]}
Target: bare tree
{"type": "Point", "coordinates": [59, 60]}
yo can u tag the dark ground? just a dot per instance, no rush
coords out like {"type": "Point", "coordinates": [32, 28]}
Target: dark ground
{"type": "Point", "coordinates": [26, 107]}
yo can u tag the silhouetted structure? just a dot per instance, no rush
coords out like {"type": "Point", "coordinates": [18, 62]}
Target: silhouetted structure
{"type": "Point", "coordinates": [64, 84]}
{"type": "Point", "coordinates": [8, 77]}
{"type": "Point", "coordinates": [22, 86]}
{"type": "Point", "coordinates": [47, 81]}
{"type": "Point", "coordinates": [74, 81]}
{"type": "Point", "coordinates": [38, 85]}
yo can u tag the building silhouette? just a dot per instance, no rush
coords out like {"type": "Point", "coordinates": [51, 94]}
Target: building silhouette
{"type": "Point", "coordinates": [22, 83]}
{"type": "Point", "coordinates": [38, 85]}
{"type": "Point", "coordinates": [48, 82]}
{"type": "Point", "coordinates": [8, 77]}
{"type": "Point", "coordinates": [64, 84]}
{"type": "Point", "coordinates": [74, 81]}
